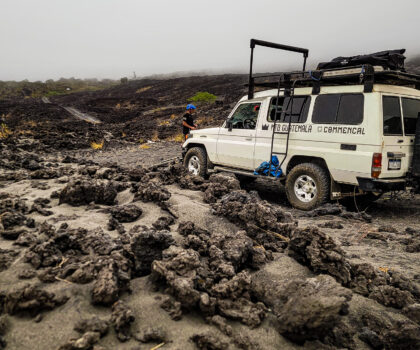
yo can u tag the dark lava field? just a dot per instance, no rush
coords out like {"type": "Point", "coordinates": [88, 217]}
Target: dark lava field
{"type": "Point", "coordinates": [105, 246]}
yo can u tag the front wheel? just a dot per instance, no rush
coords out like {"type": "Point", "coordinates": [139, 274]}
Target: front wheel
{"type": "Point", "coordinates": [195, 161]}
{"type": "Point", "coordinates": [307, 186]}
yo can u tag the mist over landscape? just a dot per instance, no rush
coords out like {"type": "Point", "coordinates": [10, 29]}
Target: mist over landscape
{"type": "Point", "coordinates": [51, 39]}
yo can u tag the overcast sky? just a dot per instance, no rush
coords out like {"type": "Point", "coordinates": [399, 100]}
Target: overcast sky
{"type": "Point", "coordinates": [112, 38]}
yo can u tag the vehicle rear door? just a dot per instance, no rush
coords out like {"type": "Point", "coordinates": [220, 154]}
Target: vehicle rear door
{"type": "Point", "coordinates": [399, 126]}
{"type": "Point", "coordinates": [235, 144]}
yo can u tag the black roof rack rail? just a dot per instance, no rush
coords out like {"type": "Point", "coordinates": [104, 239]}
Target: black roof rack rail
{"type": "Point", "coordinates": [365, 75]}
{"type": "Point", "coordinates": [255, 42]}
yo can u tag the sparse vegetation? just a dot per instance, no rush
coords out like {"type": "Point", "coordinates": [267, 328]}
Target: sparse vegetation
{"type": "Point", "coordinates": [177, 138]}
{"type": "Point", "coordinates": [97, 146]}
{"type": "Point", "coordinates": [4, 131]}
{"type": "Point", "coordinates": [203, 97]}
{"type": "Point", "coordinates": [164, 122]}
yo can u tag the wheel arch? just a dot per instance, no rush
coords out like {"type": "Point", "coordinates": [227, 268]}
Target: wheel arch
{"type": "Point", "coordinates": [195, 144]}
{"type": "Point", "coordinates": [190, 145]}
{"type": "Point", "coordinates": [296, 160]}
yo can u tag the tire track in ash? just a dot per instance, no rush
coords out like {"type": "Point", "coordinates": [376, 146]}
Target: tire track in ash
{"type": "Point", "coordinates": [83, 116]}
{"type": "Point", "coordinates": [75, 112]}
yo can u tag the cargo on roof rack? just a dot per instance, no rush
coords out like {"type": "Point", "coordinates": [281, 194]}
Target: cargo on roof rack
{"type": "Point", "coordinates": [390, 59]}
{"type": "Point", "coordinates": [366, 75]}
{"type": "Point", "coordinates": [385, 67]}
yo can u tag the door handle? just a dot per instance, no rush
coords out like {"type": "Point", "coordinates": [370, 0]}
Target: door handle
{"type": "Point", "coordinates": [400, 141]}
{"type": "Point", "coordinates": [248, 138]}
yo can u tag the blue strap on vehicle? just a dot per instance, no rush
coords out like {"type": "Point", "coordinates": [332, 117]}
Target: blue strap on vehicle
{"type": "Point", "coordinates": [312, 77]}
{"type": "Point", "coordinates": [264, 168]}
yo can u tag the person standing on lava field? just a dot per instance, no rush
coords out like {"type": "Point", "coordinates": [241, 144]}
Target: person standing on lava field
{"type": "Point", "coordinates": [188, 121]}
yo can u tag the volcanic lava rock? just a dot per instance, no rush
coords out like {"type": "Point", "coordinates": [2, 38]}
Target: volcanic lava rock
{"type": "Point", "coordinates": [208, 274]}
{"type": "Point", "coordinates": [84, 191]}
{"type": "Point", "coordinates": [137, 174]}
{"type": "Point", "coordinates": [31, 164]}
{"type": "Point", "coordinates": [209, 341]}
{"type": "Point", "coordinates": [385, 330]}
{"type": "Point", "coordinates": [219, 185]}
{"type": "Point", "coordinates": [7, 256]}
{"type": "Point", "coordinates": [147, 245]}
{"type": "Point", "coordinates": [312, 247]}
{"type": "Point", "coordinates": [30, 299]}
{"type": "Point", "coordinates": [121, 319]}
{"type": "Point", "coordinates": [332, 224]}
{"type": "Point", "coordinates": [269, 225]}
{"type": "Point", "coordinates": [152, 192]}
{"type": "Point", "coordinates": [336, 209]}
{"type": "Point", "coordinates": [413, 312]}
{"type": "Point", "coordinates": [163, 223]}
{"type": "Point", "coordinates": [26, 274]}
{"type": "Point", "coordinates": [172, 174]}
{"type": "Point", "coordinates": [94, 324]}
{"type": "Point", "coordinates": [126, 213]}
{"type": "Point", "coordinates": [151, 334]}
{"type": "Point", "coordinates": [4, 324]}
{"type": "Point", "coordinates": [309, 309]}
{"type": "Point", "coordinates": [12, 235]}
{"type": "Point", "coordinates": [192, 182]}
{"type": "Point", "coordinates": [83, 343]}
{"type": "Point", "coordinates": [9, 219]}
{"type": "Point", "coordinates": [391, 296]}
{"type": "Point", "coordinates": [172, 307]}
{"type": "Point", "coordinates": [315, 249]}
{"type": "Point", "coordinates": [105, 289]}
{"type": "Point", "coordinates": [40, 205]}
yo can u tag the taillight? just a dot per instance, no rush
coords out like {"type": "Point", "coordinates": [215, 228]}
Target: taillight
{"type": "Point", "coordinates": [376, 165]}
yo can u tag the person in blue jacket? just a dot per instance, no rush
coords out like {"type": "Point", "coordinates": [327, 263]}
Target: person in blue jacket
{"type": "Point", "coordinates": [188, 121]}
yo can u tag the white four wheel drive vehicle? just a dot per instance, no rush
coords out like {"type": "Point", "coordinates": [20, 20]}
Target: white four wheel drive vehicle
{"type": "Point", "coordinates": [340, 131]}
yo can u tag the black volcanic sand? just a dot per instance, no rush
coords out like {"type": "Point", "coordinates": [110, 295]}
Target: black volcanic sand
{"type": "Point", "coordinates": [104, 249]}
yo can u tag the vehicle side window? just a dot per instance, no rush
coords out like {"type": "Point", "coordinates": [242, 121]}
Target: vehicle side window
{"type": "Point", "coordinates": [392, 115]}
{"type": "Point", "coordinates": [338, 109]}
{"type": "Point", "coordinates": [296, 108]}
{"type": "Point", "coordinates": [350, 110]}
{"type": "Point", "coordinates": [411, 111]}
{"type": "Point", "coordinates": [245, 116]}
{"type": "Point", "coordinates": [325, 109]}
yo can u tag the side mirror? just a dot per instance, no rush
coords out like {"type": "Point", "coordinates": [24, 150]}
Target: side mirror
{"type": "Point", "coordinates": [229, 125]}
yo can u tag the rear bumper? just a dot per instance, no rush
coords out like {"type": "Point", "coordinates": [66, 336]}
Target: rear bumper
{"type": "Point", "coordinates": [381, 185]}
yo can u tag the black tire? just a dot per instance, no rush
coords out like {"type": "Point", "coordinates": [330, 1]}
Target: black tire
{"type": "Point", "coordinates": [316, 188]}
{"type": "Point", "coordinates": [198, 155]}
{"type": "Point", "coordinates": [245, 180]}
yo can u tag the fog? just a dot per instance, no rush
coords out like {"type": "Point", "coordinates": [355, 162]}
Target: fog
{"type": "Point", "coordinates": [47, 39]}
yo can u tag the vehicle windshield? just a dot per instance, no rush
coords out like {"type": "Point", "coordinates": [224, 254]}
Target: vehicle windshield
{"type": "Point", "coordinates": [245, 116]}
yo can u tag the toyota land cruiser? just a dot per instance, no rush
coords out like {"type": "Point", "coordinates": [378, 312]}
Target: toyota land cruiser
{"type": "Point", "coordinates": [337, 131]}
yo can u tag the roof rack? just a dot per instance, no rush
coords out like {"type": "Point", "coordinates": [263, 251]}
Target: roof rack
{"type": "Point", "coordinates": [365, 74]}
{"type": "Point", "coordinates": [255, 42]}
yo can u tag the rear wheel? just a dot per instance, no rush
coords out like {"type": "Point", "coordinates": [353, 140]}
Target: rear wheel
{"type": "Point", "coordinates": [307, 186]}
{"type": "Point", "coordinates": [195, 161]}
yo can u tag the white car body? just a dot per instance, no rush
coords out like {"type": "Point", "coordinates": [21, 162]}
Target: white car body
{"type": "Point", "coordinates": [246, 149]}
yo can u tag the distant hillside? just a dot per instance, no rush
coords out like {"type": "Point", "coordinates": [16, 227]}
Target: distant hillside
{"type": "Point", "coordinates": [413, 65]}
{"type": "Point", "coordinates": [25, 89]}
